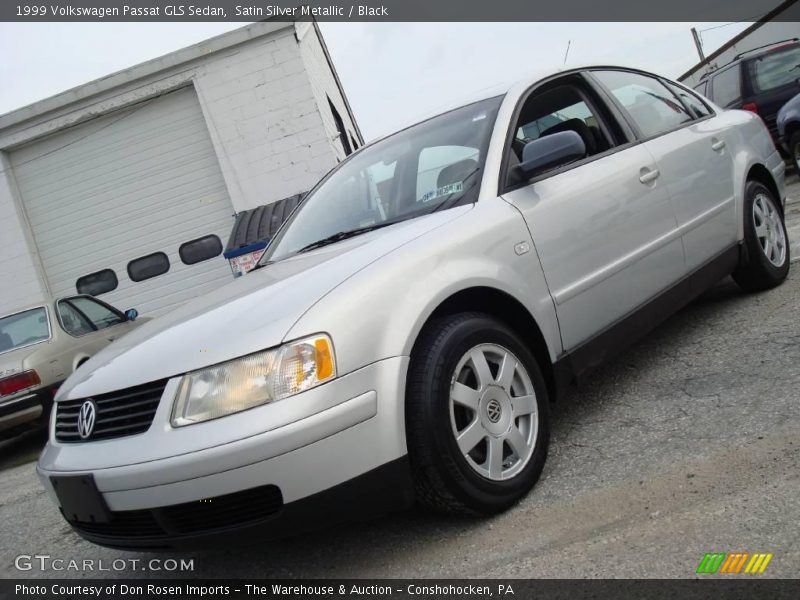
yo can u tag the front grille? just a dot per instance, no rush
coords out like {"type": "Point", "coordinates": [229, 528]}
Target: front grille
{"type": "Point", "coordinates": [120, 413]}
{"type": "Point", "coordinates": [222, 512]}
{"type": "Point", "coordinates": [225, 511]}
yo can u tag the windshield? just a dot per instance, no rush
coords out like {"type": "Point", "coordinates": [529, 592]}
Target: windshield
{"type": "Point", "coordinates": [434, 164]}
{"type": "Point", "coordinates": [23, 328]}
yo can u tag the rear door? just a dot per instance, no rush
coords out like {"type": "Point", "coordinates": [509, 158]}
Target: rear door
{"type": "Point", "coordinates": [689, 144]}
{"type": "Point", "coordinates": [603, 226]}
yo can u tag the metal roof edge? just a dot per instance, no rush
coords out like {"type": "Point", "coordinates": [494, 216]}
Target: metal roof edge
{"type": "Point", "coordinates": [141, 70]}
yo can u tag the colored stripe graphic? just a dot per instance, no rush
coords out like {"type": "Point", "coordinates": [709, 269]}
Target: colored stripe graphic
{"type": "Point", "coordinates": [711, 562]}
{"type": "Point", "coordinates": [733, 563]}
{"type": "Point", "coordinates": [758, 563]}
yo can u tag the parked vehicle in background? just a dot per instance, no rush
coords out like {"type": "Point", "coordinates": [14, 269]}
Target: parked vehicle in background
{"type": "Point", "coordinates": [406, 329]}
{"type": "Point", "coordinates": [761, 80]}
{"type": "Point", "coordinates": [789, 130]}
{"type": "Point", "coordinates": [41, 345]}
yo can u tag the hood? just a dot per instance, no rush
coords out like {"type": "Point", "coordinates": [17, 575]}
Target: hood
{"type": "Point", "coordinates": [250, 314]}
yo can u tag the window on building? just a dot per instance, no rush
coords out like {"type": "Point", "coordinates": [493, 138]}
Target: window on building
{"type": "Point", "coordinates": [201, 249]}
{"type": "Point", "coordinates": [653, 108]}
{"type": "Point", "coordinates": [726, 87]}
{"type": "Point", "coordinates": [97, 283]}
{"type": "Point", "coordinates": [695, 104]}
{"type": "Point", "coordinates": [147, 267]}
{"type": "Point", "coordinates": [340, 129]}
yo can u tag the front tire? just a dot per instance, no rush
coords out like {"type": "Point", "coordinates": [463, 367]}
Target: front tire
{"type": "Point", "coordinates": [476, 416]}
{"type": "Point", "coordinates": [766, 242]}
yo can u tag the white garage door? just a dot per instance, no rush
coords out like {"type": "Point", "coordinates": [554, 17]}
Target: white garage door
{"type": "Point", "coordinates": [134, 184]}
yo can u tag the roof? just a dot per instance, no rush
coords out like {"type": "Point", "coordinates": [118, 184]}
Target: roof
{"type": "Point", "coordinates": [141, 70]}
{"type": "Point", "coordinates": [255, 227]}
{"type": "Point", "coordinates": [738, 38]}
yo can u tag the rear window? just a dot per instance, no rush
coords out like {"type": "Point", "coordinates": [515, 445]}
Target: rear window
{"type": "Point", "coordinates": [23, 328]}
{"type": "Point", "coordinates": [775, 69]}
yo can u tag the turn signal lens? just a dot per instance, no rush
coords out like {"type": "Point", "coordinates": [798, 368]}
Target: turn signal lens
{"type": "Point", "coordinates": [17, 383]}
{"type": "Point", "coordinates": [751, 106]}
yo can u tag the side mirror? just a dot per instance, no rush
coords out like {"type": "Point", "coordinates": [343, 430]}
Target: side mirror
{"type": "Point", "coordinates": [549, 152]}
{"type": "Point", "coordinates": [131, 314]}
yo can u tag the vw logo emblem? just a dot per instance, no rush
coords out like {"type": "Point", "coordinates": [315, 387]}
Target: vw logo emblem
{"type": "Point", "coordinates": [493, 410]}
{"type": "Point", "coordinates": [86, 418]}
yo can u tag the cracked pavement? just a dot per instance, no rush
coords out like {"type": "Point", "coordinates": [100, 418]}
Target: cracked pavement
{"type": "Point", "coordinates": [687, 443]}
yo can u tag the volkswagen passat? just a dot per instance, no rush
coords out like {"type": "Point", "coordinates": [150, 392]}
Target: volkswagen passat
{"type": "Point", "coordinates": [408, 327]}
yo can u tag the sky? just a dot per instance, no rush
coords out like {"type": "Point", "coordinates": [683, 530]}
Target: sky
{"type": "Point", "coordinates": [393, 73]}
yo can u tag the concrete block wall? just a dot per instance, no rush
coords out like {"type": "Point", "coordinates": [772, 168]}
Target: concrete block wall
{"type": "Point", "coordinates": [324, 87]}
{"type": "Point", "coordinates": [264, 120]}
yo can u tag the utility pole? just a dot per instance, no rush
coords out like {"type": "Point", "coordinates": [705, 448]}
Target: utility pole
{"type": "Point", "coordinates": [698, 44]}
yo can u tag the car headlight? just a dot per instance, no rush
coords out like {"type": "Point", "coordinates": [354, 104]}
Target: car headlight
{"type": "Point", "coordinates": [253, 380]}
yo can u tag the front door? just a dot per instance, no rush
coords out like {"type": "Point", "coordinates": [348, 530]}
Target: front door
{"type": "Point", "coordinates": [603, 227]}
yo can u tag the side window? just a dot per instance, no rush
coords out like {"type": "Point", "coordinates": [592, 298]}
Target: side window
{"type": "Point", "coordinates": [697, 106]}
{"type": "Point", "coordinates": [99, 315]}
{"type": "Point", "coordinates": [726, 86]}
{"type": "Point", "coordinates": [97, 283]}
{"type": "Point", "coordinates": [73, 321]}
{"type": "Point", "coordinates": [560, 108]}
{"type": "Point", "coordinates": [652, 106]}
{"type": "Point", "coordinates": [147, 267]}
{"type": "Point", "coordinates": [443, 170]}
{"type": "Point", "coordinates": [204, 248]}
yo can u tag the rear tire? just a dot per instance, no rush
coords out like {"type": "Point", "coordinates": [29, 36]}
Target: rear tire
{"type": "Point", "coordinates": [766, 260]}
{"type": "Point", "coordinates": [500, 417]}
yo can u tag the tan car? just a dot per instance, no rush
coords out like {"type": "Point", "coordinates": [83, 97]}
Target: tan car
{"type": "Point", "coordinates": [42, 345]}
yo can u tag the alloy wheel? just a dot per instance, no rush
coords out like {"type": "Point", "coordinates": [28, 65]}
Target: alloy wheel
{"type": "Point", "coordinates": [769, 229]}
{"type": "Point", "coordinates": [493, 411]}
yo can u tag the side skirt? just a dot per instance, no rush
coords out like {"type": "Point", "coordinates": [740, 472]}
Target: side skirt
{"type": "Point", "coordinates": [573, 366]}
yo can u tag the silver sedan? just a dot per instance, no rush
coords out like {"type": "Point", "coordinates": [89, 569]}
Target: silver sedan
{"type": "Point", "coordinates": [406, 331]}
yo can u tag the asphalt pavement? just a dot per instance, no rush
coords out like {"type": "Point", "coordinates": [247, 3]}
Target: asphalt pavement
{"type": "Point", "coordinates": [687, 443]}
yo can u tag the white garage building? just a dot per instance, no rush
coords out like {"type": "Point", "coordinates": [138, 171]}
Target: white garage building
{"type": "Point", "coordinates": [128, 186]}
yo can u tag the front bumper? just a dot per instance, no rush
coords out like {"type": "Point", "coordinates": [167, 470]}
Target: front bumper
{"type": "Point", "coordinates": [358, 437]}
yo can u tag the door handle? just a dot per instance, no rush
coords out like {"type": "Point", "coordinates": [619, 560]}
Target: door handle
{"type": "Point", "coordinates": [717, 145]}
{"type": "Point", "coordinates": [647, 175]}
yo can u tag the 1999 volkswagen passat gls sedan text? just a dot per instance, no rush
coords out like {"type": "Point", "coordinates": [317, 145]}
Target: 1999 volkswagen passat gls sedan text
{"type": "Point", "coordinates": [409, 325]}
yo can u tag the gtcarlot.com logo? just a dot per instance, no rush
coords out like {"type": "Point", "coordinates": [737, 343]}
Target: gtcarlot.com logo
{"type": "Point", "coordinates": [734, 563]}
{"type": "Point", "coordinates": [45, 562]}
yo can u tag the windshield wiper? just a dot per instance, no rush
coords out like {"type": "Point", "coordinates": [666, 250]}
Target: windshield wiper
{"type": "Point", "coordinates": [343, 235]}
